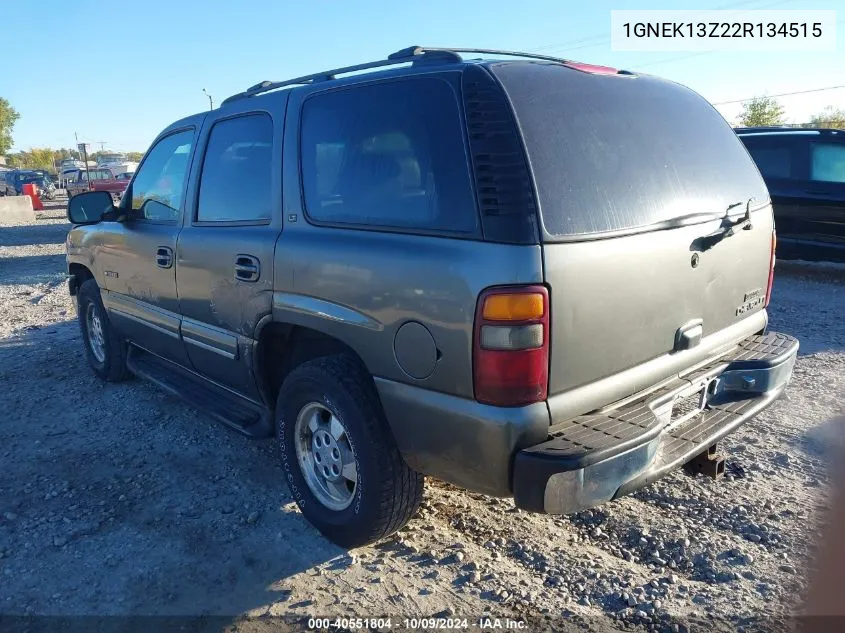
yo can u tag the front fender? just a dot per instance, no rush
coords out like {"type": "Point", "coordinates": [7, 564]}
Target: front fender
{"type": "Point", "coordinates": [80, 246]}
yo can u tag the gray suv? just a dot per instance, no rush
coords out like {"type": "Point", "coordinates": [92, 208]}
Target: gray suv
{"type": "Point", "coordinates": [525, 276]}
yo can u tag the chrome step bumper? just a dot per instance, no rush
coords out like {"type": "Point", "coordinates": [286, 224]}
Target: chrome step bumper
{"type": "Point", "coordinates": [604, 455]}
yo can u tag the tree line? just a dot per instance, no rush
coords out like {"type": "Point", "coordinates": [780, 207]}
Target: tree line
{"type": "Point", "coordinates": [48, 159]}
{"type": "Point", "coordinates": [767, 111]}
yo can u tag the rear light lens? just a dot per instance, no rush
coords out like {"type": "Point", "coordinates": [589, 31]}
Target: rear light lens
{"type": "Point", "coordinates": [511, 346]}
{"type": "Point", "coordinates": [593, 69]}
{"type": "Point", "coordinates": [771, 269]}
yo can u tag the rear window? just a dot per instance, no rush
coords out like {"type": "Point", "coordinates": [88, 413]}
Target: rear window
{"type": "Point", "coordinates": [613, 153]}
{"type": "Point", "coordinates": [387, 155]}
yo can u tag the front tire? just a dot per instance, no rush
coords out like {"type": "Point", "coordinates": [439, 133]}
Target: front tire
{"type": "Point", "coordinates": [104, 349]}
{"type": "Point", "coordinates": [340, 460]}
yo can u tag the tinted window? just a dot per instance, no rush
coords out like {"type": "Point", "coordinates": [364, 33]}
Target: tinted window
{"type": "Point", "coordinates": [827, 162]}
{"type": "Point", "coordinates": [782, 156]}
{"type": "Point", "coordinates": [160, 181]}
{"type": "Point", "coordinates": [237, 171]}
{"type": "Point", "coordinates": [616, 153]}
{"type": "Point", "coordinates": [773, 162]}
{"type": "Point", "coordinates": [390, 155]}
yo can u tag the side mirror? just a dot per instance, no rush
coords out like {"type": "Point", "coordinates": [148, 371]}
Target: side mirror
{"type": "Point", "coordinates": [89, 207]}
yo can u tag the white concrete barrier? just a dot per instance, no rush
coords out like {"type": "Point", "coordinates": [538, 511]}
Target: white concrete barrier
{"type": "Point", "coordinates": [16, 210]}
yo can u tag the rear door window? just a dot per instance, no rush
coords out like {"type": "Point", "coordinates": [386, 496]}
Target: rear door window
{"type": "Point", "coordinates": [778, 156]}
{"type": "Point", "coordinates": [387, 155]}
{"type": "Point", "coordinates": [616, 153]}
{"type": "Point", "coordinates": [773, 162]}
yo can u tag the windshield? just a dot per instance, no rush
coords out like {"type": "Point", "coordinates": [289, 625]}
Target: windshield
{"type": "Point", "coordinates": [616, 153]}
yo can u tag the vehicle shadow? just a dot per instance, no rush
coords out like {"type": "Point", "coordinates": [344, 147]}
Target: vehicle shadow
{"type": "Point", "coordinates": [31, 269]}
{"type": "Point", "coordinates": [128, 503]}
{"type": "Point", "coordinates": [32, 234]}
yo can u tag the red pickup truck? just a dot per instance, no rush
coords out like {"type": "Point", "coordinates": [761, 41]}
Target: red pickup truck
{"type": "Point", "coordinates": [99, 179]}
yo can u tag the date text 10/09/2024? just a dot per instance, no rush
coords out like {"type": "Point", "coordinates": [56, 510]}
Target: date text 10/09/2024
{"type": "Point", "coordinates": [423, 624]}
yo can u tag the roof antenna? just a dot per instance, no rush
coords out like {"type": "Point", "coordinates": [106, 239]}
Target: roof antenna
{"type": "Point", "coordinates": [210, 102]}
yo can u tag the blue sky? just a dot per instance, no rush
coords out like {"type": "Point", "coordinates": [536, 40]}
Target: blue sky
{"type": "Point", "coordinates": [121, 75]}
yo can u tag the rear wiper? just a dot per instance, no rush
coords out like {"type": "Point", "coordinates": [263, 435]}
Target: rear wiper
{"type": "Point", "coordinates": [683, 220]}
{"type": "Point", "coordinates": [729, 227]}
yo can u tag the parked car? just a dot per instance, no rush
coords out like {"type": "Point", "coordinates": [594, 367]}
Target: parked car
{"type": "Point", "coordinates": [97, 180]}
{"type": "Point", "coordinates": [804, 170]}
{"type": "Point", "coordinates": [14, 180]}
{"type": "Point", "coordinates": [7, 183]}
{"type": "Point", "coordinates": [389, 271]}
{"type": "Point", "coordinates": [68, 175]}
{"type": "Point", "coordinates": [115, 186]}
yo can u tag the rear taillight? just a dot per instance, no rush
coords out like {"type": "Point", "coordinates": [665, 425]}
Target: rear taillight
{"type": "Point", "coordinates": [771, 269]}
{"type": "Point", "coordinates": [511, 346]}
{"type": "Point", "coordinates": [593, 69]}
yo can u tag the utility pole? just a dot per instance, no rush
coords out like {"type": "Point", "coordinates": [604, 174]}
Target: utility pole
{"type": "Point", "coordinates": [210, 102]}
{"type": "Point", "coordinates": [83, 148]}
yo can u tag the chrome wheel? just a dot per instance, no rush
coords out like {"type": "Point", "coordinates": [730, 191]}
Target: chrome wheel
{"type": "Point", "coordinates": [325, 456]}
{"type": "Point", "coordinates": [96, 339]}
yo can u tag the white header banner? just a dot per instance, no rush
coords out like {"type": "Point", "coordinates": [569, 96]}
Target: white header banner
{"type": "Point", "coordinates": [658, 30]}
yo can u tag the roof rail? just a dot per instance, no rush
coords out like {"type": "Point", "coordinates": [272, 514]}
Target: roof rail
{"type": "Point", "coordinates": [420, 50]}
{"type": "Point", "coordinates": [413, 54]}
{"type": "Point", "coordinates": [763, 129]}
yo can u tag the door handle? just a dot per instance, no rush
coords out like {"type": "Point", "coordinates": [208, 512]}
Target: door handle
{"type": "Point", "coordinates": [164, 257]}
{"type": "Point", "coordinates": [247, 268]}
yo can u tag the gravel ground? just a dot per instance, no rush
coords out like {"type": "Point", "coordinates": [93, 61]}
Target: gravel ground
{"type": "Point", "coordinates": [119, 499]}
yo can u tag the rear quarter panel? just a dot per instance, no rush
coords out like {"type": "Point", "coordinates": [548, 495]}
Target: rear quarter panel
{"type": "Point", "coordinates": [361, 286]}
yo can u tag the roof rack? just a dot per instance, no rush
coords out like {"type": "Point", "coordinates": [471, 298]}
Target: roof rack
{"type": "Point", "coordinates": [412, 54]}
{"type": "Point", "coordinates": [764, 129]}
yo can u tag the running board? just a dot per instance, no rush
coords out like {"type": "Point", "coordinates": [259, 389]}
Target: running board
{"type": "Point", "coordinates": [243, 415]}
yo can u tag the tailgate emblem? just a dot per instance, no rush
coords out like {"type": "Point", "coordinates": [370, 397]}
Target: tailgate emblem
{"type": "Point", "coordinates": [752, 299]}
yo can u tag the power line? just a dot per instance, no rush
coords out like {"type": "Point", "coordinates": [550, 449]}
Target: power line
{"type": "Point", "coordinates": [783, 94]}
{"type": "Point", "coordinates": [675, 58]}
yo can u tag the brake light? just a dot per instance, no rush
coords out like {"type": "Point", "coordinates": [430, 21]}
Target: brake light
{"type": "Point", "coordinates": [593, 69]}
{"type": "Point", "coordinates": [771, 269]}
{"type": "Point", "coordinates": [511, 346]}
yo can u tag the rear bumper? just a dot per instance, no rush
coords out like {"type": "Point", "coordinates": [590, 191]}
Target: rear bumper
{"type": "Point", "coordinates": [601, 456]}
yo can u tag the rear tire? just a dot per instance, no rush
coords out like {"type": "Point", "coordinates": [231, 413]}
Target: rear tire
{"type": "Point", "coordinates": [385, 493]}
{"type": "Point", "coordinates": [107, 354]}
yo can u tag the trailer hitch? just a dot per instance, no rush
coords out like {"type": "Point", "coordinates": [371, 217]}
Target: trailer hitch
{"type": "Point", "coordinates": [710, 462]}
